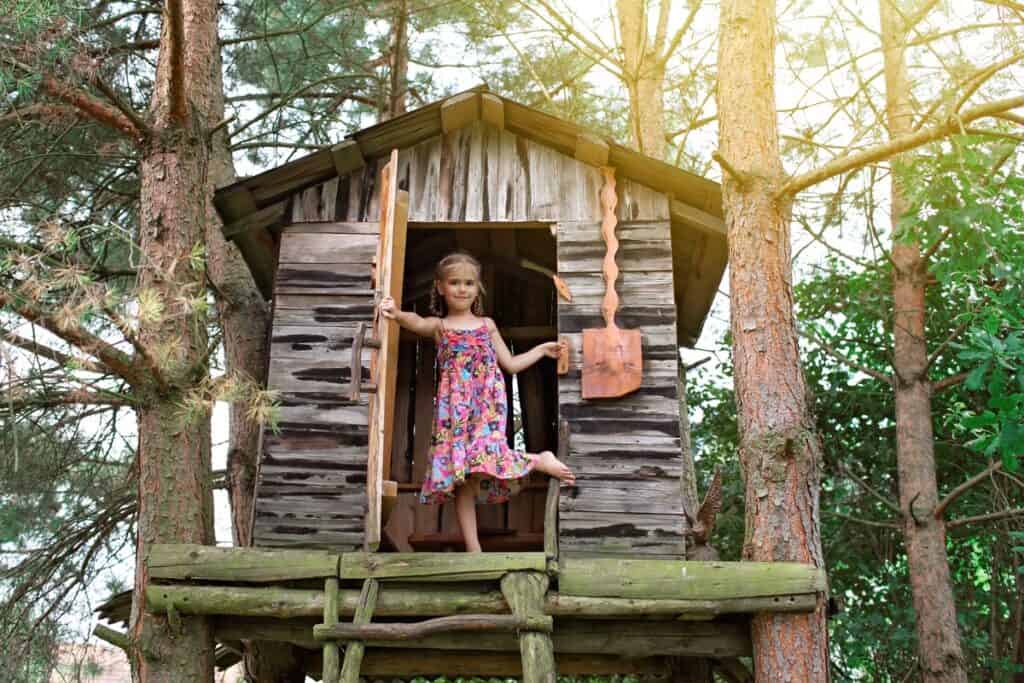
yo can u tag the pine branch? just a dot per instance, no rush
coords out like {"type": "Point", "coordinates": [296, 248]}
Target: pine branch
{"type": "Point", "coordinates": [673, 44]}
{"type": "Point", "coordinates": [113, 358]}
{"type": "Point", "coordinates": [174, 15]}
{"type": "Point", "coordinates": [865, 522]}
{"type": "Point", "coordinates": [990, 517]}
{"type": "Point", "coordinates": [126, 329]}
{"type": "Point", "coordinates": [44, 351]}
{"type": "Point", "coordinates": [871, 490]}
{"type": "Point", "coordinates": [125, 109]}
{"type": "Point", "coordinates": [827, 348]}
{"type": "Point", "coordinates": [1013, 118]}
{"type": "Point", "coordinates": [88, 105]}
{"type": "Point", "coordinates": [966, 486]}
{"type": "Point", "coordinates": [897, 146]}
{"type": "Point", "coordinates": [78, 397]}
{"type": "Point", "coordinates": [946, 383]}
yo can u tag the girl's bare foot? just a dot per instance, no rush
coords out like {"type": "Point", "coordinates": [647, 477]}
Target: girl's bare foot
{"type": "Point", "coordinates": [549, 464]}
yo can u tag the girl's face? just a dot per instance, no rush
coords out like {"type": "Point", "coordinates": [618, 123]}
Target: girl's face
{"type": "Point", "coordinates": [459, 287]}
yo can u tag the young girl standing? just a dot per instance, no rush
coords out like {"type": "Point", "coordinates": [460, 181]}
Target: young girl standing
{"type": "Point", "coordinates": [469, 455]}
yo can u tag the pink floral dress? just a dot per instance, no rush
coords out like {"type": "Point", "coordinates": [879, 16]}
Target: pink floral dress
{"type": "Point", "coordinates": [470, 414]}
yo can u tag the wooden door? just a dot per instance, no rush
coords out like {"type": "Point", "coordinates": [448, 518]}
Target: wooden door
{"type": "Point", "coordinates": [390, 266]}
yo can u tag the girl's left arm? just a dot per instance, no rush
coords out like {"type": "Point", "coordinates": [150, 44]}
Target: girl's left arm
{"type": "Point", "coordinates": [515, 364]}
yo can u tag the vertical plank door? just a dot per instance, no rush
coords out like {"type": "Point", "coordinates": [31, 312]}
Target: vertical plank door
{"type": "Point", "coordinates": [394, 213]}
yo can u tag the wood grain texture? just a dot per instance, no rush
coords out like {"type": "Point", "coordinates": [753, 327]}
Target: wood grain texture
{"type": "Point", "coordinates": [629, 444]}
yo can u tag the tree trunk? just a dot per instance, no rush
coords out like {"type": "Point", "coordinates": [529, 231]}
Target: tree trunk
{"type": "Point", "coordinates": [175, 503]}
{"type": "Point", "coordinates": [780, 451]}
{"type": "Point", "coordinates": [644, 77]}
{"type": "Point", "coordinates": [398, 62]}
{"type": "Point", "coordinates": [939, 653]}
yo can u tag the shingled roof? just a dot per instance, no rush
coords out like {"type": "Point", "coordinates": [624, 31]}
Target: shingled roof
{"type": "Point", "coordinates": [255, 209]}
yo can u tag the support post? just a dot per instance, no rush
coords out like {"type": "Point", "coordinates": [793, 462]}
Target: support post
{"type": "Point", "coordinates": [355, 649]}
{"type": "Point", "coordinates": [525, 593]}
{"type": "Point", "coordinates": [332, 665]}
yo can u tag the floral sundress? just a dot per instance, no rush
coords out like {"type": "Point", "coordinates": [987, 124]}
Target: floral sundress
{"type": "Point", "coordinates": [470, 415]}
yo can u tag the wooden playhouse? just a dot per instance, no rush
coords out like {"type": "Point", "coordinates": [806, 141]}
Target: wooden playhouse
{"type": "Point", "coordinates": [589, 579]}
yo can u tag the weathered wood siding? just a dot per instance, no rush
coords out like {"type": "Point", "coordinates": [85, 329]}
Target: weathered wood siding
{"type": "Point", "coordinates": [626, 452]}
{"type": "Point", "coordinates": [479, 174]}
{"type": "Point", "coordinates": [312, 477]}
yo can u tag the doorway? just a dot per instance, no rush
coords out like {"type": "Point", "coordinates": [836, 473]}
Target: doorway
{"type": "Point", "coordinates": [517, 261]}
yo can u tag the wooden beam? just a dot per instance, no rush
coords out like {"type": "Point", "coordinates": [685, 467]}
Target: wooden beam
{"type": "Point", "coordinates": [384, 664]}
{"type": "Point", "coordinates": [461, 623]}
{"type": "Point", "coordinates": [332, 661]}
{"type": "Point", "coordinates": [437, 566]}
{"type": "Point", "coordinates": [209, 563]}
{"type": "Point", "coordinates": [234, 202]}
{"type": "Point", "coordinates": [443, 599]}
{"type": "Point", "coordinates": [267, 218]}
{"type": "Point", "coordinates": [652, 578]}
{"type": "Point", "coordinates": [355, 649]}
{"type": "Point", "coordinates": [685, 610]}
{"type": "Point", "coordinates": [347, 157]}
{"type": "Point", "coordinates": [492, 110]}
{"type": "Point", "coordinates": [260, 253]}
{"type": "Point", "coordinates": [630, 638]}
{"type": "Point", "coordinates": [591, 149]}
{"type": "Point", "coordinates": [460, 111]}
{"type": "Point", "coordinates": [695, 218]}
{"type": "Point", "coordinates": [524, 592]}
{"type": "Point", "coordinates": [480, 225]}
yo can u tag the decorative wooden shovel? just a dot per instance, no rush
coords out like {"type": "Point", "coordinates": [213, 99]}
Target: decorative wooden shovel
{"type": "Point", "coordinates": [612, 357]}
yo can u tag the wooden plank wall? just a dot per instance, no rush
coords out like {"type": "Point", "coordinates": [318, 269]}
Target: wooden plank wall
{"type": "Point", "coordinates": [626, 452]}
{"type": "Point", "coordinates": [312, 476]}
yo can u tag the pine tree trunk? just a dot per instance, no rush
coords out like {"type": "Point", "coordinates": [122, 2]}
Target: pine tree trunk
{"type": "Point", "coordinates": [939, 653]}
{"type": "Point", "coordinates": [398, 63]}
{"type": "Point", "coordinates": [645, 79]}
{"type": "Point", "coordinates": [175, 503]}
{"type": "Point", "coordinates": [780, 451]}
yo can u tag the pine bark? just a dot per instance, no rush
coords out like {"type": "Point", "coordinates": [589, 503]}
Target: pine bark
{"type": "Point", "coordinates": [175, 502]}
{"type": "Point", "coordinates": [939, 653]}
{"type": "Point", "coordinates": [398, 63]}
{"type": "Point", "coordinates": [780, 451]}
{"type": "Point", "coordinates": [644, 73]}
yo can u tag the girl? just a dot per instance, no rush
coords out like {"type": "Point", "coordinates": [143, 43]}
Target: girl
{"type": "Point", "coordinates": [469, 454]}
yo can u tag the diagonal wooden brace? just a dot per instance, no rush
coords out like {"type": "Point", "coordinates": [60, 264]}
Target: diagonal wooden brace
{"type": "Point", "coordinates": [355, 649]}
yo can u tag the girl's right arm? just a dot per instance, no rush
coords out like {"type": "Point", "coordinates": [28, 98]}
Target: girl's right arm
{"type": "Point", "coordinates": [425, 327]}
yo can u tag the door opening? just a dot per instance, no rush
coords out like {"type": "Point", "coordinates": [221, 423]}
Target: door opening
{"type": "Point", "coordinates": [517, 261]}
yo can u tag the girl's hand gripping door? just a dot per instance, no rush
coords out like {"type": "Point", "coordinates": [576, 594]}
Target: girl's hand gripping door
{"type": "Point", "coordinates": [394, 215]}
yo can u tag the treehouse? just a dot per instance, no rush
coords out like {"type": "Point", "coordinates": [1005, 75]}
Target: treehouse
{"type": "Point", "coordinates": [581, 239]}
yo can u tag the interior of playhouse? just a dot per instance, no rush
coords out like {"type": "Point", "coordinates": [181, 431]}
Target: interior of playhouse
{"type": "Point", "coordinates": [518, 260]}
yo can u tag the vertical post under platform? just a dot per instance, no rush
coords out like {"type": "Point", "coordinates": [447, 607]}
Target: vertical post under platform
{"type": "Point", "coordinates": [332, 663]}
{"type": "Point", "coordinates": [524, 592]}
{"type": "Point", "coordinates": [355, 649]}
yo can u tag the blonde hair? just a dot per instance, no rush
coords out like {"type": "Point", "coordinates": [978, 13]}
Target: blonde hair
{"type": "Point", "coordinates": [459, 258]}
